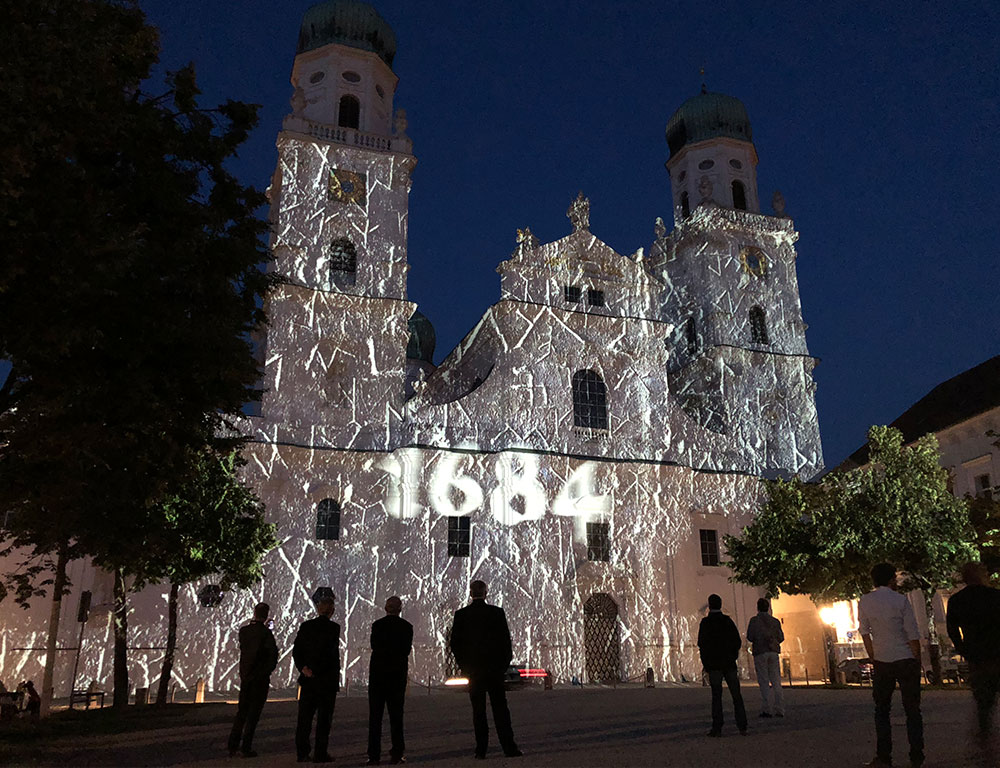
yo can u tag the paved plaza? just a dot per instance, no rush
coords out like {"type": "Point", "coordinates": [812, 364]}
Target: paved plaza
{"type": "Point", "coordinates": [565, 727]}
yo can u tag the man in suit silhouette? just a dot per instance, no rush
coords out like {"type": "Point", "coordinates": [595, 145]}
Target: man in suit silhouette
{"type": "Point", "coordinates": [258, 658]}
{"type": "Point", "coordinates": [317, 657]}
{"type": "Point", "coordinates": [480, 640]}
{"type": "Point", "coordinates": [392, 640]}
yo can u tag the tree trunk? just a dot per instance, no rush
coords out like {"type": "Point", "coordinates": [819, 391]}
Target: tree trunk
{"type": "Point", "coordinates": [51, 642]}
{"type": "Point", "coordinates": [168, 657]}
{"type": "Point", "coordinates": [121, 636]}
{"type": "Point", "coordinates": [934, 645]}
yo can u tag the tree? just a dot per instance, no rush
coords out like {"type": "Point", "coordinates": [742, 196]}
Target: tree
{"type": "Point", "coordinates": [130, 276]}
{"type": "Point", "coordinates": [212, 524]}
{"type": "Point", "coordinates": [822, 540]}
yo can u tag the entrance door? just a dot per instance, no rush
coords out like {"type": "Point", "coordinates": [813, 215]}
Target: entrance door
{"type": "Point", "coordinates": [601, 639]}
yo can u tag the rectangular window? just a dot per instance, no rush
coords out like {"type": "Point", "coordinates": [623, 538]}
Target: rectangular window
{"type": "Point", "coordinates": [572, 293]}
{"type": "Point", "coordinates": [984, 489]}
{"type": "Point", "coordinates": [595, 298]}
{"type": "Point", "coordinates": [709, 547]}
{"type": "Point", "coordinates": [599, 541]}
{"type": "Point", "coordinates": [459, 536]}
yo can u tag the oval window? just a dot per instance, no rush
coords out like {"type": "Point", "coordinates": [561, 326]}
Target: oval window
{"type": "Point", "coordinates": [704, 165]}
{"type": "Point", "coordinates": [736, 164]}
{"type": "Point", "coordinates": [379, 91]}
{"type": "Point", "coordinates": [315, 77]}
{"type": "Point", "coordinates": [352, 77]}
{"type": "Point", "coordinates": [682, 175]}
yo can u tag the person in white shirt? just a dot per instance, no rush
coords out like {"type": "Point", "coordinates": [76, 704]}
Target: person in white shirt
{"type": "Point", "coordinates": [889, 631]}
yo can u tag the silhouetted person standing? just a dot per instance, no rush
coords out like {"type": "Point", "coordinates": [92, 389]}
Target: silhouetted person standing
{"type": "Point", "coordinates": [765, 635]}
{"type": "Point", "coordinates": [392, 640]}
{"type": "Point", "coordinates": [889, 631]}
{"type": "Point", "coordinates": [974, 628]}
{"type": "Point", "coordinates": [719, 644]}
{"type": "Point", "coordinates": [480, 640]}
{"type": "Point", "coordinates": [317, 657]}
{"type": "Point", "coordinates": [258, 658]}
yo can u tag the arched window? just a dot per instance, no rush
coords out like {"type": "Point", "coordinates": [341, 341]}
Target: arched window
{"type": "Point", "coordinates": [349, 114]}
{"type": "Point", "coordinates": [685, 205]}
{"type": "Point", "coordinates": [758, 326]}
{"type": "Point", "coordinates": [327, 520]}
{"type": "Point", "coordinates": [739, 196]}
{"type": "Point", "coordinates": [343, 261]}
{"type": "Point", "coordinates": [590, 400]}
{"type": "Point", "coordinates": [691, 336]}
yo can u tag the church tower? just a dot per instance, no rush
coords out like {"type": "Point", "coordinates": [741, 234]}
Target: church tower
{"type": "Point", "coordinates": [335, 355]}
{"type": "Point", "coordinates": [739, 363]}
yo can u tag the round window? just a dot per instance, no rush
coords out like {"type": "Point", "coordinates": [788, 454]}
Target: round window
{"type": "Point", "coordinates": [704, 165]}
{"type": "Point", "coordinates": [379, 91]}
{"type": "Point", "coordinates": [315, 77]}
{"type": "Point", "coordinates": [736, 164]}
{"type": "Point", "coordinates": [352, 77]}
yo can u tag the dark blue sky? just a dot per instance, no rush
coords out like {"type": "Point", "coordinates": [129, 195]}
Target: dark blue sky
{"type": "Point", "coordinates": [877, 121]}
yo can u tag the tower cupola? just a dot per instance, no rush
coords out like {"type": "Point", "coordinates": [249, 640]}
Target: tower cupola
{"type": "Point", "coordinates": [343, 68]}
{"type": "Point", "coordinates": [712, 156]}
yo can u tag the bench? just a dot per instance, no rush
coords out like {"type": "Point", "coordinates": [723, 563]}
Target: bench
{"type": "Point", "coordinates": [86, 696]}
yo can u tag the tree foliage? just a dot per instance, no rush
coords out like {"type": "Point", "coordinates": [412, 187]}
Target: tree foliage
{"type": "Point", "coordinates": [130, 281]}
{"type": "Point", "coordinates": [822, 540]}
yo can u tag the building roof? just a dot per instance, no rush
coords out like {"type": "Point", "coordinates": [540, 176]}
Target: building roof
{"type": "Point", "coordinates": [347, 22]}
{"type": "Point", "coordinates": [975, 391]}
{"type": "Point", "coordinates": [708, 116]}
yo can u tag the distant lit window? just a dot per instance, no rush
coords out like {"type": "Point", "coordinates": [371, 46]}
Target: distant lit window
{"type": "Point", "coordinates": [210, 595]}
{"type": "Point", "coordinates": [599, 541]}
{"type": "Point", "coordinates": [709, 546]}
{"type": "Point", "coordinates": [343, 261]}
{"type": "Point", "coordinates": [327, 520]}
{"type": "Point", "coordinates": [590, 400]}
{"type": "Point", "coordinates": [572, 293]}
{"type": "Point", "coordinates": [595, 298]}
{"type": "Point", "coordinates": [758, 326]}
{"type": "Point", "coordinates": [685, 205]}
{"type": "Point", "coordinates": [691, 336]}
{"type": "Point", "coordinates": [459, 536]}
{"type": "Point", "coordinates": [984, 488]}
{"type": "Point", "coordinates": [349, 114]}
{"type": "Point", "coordinates": [739, 196]}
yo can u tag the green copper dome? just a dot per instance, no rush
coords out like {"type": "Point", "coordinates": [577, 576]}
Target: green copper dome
{"type": "Point", "coordinates": [422, 338]}
{"type": "Point", "coordinates": [347, 22]}
{"type": "Point", "coordinates": [708, 116]}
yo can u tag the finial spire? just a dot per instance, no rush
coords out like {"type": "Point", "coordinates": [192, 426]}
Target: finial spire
{"type": "Point", "coordinates": [704, 88]}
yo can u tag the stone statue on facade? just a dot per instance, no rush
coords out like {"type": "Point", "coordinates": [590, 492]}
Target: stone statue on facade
{"type": "Point", "coordinates": [298, 101]}
{"type": "Point", "coordinates": [660, 228]}
{"type": "Point", "coordinates": [579, 213]}
{"type": "Point", "coordinates": [705, 189]}
{"type": "Point", "coordinates": [526, 240]}
{"type": "Point", "coordinates": [400, 124]}
{"type": "Point", "coordinates": [778, 203]}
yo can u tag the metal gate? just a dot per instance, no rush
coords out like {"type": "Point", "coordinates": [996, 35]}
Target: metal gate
{"type": "Point", "coordinates": [601, 639]}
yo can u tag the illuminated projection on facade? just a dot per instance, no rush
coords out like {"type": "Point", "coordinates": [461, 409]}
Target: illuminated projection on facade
{"type": "Point", "coordinates": [583, 450]}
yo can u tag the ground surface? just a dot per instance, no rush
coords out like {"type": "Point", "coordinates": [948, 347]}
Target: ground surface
{"type": "Point", "coordinates": [565, 727]}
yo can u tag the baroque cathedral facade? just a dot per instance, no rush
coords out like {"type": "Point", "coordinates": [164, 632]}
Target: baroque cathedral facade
{"type": "Point", "coordinates": [584, 449]}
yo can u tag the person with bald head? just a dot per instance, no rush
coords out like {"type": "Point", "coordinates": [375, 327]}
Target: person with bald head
{"type": "Point", "coordinates": [480, 641]}
{"type": "Point", "coordinates": [392, 641]}
{"type": "Point", "coordinates": [974, 628]}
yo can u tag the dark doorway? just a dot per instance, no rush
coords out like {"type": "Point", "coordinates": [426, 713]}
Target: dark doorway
{"type": "Point", "coordinates": [602, 639]}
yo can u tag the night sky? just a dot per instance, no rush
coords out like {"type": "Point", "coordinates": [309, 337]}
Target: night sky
{"type": "Point", "coordinates": [877, 121]}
